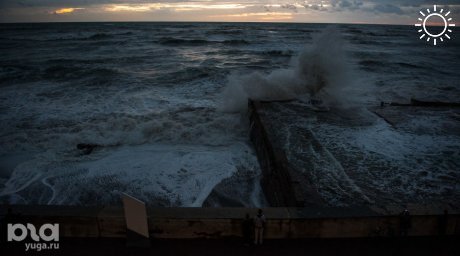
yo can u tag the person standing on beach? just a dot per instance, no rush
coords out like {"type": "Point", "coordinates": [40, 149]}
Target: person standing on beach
{"type": "Point", "coordinates": [259, 225]}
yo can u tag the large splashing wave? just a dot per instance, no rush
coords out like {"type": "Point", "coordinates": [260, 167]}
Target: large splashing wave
{"type": "Point", "coordinates": [320, 69]}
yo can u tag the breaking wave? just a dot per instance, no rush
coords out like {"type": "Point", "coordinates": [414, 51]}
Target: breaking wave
{"type": "Point", "coordinates": [320, 70]}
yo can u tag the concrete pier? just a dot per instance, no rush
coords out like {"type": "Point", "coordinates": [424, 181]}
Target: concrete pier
{"type": "Point", "coordinates": [294, 163]}
{"type": "Point", "coordinates": [282, 183]}
{"type": "Point", "coordinates": [313, 158]}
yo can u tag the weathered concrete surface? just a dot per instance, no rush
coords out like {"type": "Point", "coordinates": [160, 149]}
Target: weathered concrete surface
{"type": "Point", "coordinates": [403, 117]}
{"type": "Point", "coordinates": [186, 223]}
{"type": "Point", "coordinates": [296, 168]}
{"type": "Point", "coordinates": [381, 158]}
{"type": "Point", "coordinates": [278, 186]}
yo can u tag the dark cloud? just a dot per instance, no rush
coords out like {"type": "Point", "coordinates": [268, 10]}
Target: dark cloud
{"type": "Point", "coordinates": [415, 3]}
{"type": "Point", "coordinates": [336, 4]}
{"type": "Point", "coordinates": [61, 3]}
{"type": "Point", "coordinates": [388, 8]}
{"type": "Point", "coordinates": [402, 7]}
{"type": "Point", "coordinates": [289, 7]}
{"type": "Point", "coordinates": [315, 6]}
{"type": "Point", "coordinates": [347, 4]}
{"type": "Point", "coordinates": [399, 7]}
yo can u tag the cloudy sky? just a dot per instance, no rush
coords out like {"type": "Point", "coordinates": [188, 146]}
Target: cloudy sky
{"type": "Point", "coordinates": [329, 11]}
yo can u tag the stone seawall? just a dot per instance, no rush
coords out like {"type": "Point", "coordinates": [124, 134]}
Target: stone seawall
{"type": "Point", "coordinates": [180, 223]}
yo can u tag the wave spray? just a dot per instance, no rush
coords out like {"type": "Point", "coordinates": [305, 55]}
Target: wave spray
{"type": "Point", "coordinates": [319, 71]}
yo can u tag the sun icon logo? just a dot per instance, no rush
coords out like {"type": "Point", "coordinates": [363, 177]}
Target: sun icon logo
{"type": "Point", "coordinates": [435, 14]}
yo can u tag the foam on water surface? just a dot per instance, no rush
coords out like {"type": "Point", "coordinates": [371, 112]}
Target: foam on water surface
{"type": "Point", "coordinates": [147, 101]}
{"type": "Point", "coordinates": [165, 175]}
{"type": "Point", "coordinates": [394, 166]}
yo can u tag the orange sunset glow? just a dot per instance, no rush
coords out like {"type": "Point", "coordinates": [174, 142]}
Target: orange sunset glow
{"type": "Point", "coordinates": [314, 11]}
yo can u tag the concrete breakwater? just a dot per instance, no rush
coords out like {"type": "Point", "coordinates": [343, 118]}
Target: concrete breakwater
{"type": "Point", "coordinates": [282, 183]}
{"type": "Point", "coordinates": [283, 223]}
{"type": "Point", "coordinates": [376, 158]}
{"type": "Point", "coordinates": [297, 169]}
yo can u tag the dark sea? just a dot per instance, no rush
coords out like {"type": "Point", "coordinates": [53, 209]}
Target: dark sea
{"type": "Point", "coordinates": [154, 101]}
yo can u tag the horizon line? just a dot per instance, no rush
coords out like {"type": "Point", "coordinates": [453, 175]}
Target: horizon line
{"type": "Point", "coordinates": [185, 21]}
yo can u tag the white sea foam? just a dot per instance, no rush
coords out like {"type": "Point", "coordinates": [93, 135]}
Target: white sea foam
{"type": "Point", "coordinates": [169, 151]}
{"type": "Point", "coordinates": [399, 166]}
{"type": "Point", "coordinates": [167, 175]}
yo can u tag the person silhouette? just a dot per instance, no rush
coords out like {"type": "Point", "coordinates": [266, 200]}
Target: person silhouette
{"type": "Point", "coordinates": [405, 223]}
{"type": "Point", "coordinates": [259, 225]}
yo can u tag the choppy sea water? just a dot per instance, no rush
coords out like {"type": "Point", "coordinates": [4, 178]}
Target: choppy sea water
{"type": "Point", "coordinates": [150, 96]}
